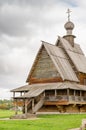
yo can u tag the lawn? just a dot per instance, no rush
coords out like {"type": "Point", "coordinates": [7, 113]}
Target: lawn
{"type": "Point", "coordinates": [44, 122]}
{"type": "Point", "coordinates": [6, 113]}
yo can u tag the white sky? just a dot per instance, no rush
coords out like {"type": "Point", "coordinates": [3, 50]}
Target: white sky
{"type": "Point", "coordinates": [23, 24]}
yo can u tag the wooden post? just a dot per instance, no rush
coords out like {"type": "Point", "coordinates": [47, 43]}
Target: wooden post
{"type": "Point", "coordinates": [80, 95]}
{"type": "Point", "coordinates": [21, 94]}
{"type": "Point", "coordinates": [74, 94]}
{"type": "Point", "coordinates": [55, 93]}
{"type": "Point", "coordinates": [16, 112]}
{"type": "Point", "coordinates": [33, 105]}
{"type": "Point", "coordinates": [23, 106]}
{"type": "Point", "coordinates": [44, 93]}
{"type": "Point", "coordinates": [13, 94]}
{"type": "Point", "coordinates": [68, 93]}
{"type": "Point", "coordinates": [26, 101]}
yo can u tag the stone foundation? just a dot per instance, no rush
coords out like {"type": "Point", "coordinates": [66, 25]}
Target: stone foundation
{"type": "Point", "coordinates": [64, 108]}
{"type": "Point", "coordinates": [51, 108]}
{"type": "Point", "coordinates": [23, 116]}
{"type": "Point", "coordinates": [72, 109]}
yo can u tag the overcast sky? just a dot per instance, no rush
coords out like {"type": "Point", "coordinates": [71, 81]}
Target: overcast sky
{"type": "Point", "coordinates": [23, 24]}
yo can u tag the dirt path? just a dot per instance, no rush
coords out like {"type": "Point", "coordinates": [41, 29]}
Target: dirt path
{"type": "Point", "coordinates": [19, 119]}
{"type": "Point", "coordinates": [75, 129]}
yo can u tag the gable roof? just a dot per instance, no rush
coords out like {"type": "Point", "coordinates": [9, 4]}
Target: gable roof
{"type": "Point", "coordinates": [76, 55]}
{"type": "Point", "coordinates": [67, 46]}
{"type": "Point", "coordinates": [60, 61]}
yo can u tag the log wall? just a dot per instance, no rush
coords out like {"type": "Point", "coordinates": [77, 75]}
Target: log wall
{"type": "Point", "coordinates": [82, 78]}
{"type": "Point", "coordinates": [44, 70]}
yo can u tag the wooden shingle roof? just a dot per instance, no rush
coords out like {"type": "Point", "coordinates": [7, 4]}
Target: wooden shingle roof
{"type": "Point", "coordinates": [67, 46]}
{"type": "Point", "coordinates": [21, 89]}
{"type": "Point", "coordinates": [61, 62]}
{"type": "Point", "coordinates": [78, 60]}
{"type": "Point", "coordinates": [76, 55]}
{"type": "Point", "coordinates": [36, 89]}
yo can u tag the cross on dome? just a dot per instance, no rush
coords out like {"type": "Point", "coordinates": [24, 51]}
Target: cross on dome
{"type": "Point", "coordinates": [68, 11]}
{"type": "Point", "coordinates": [69, 26]}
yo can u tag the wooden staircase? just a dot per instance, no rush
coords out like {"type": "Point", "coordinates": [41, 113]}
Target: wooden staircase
{"type": "Point", "coordinates": [38, 105]}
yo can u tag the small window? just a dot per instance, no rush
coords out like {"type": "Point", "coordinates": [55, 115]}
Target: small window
{"type": "Point", "coordinates": [84, 81]}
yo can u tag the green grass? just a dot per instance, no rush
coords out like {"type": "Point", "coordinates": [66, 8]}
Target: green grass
{"type": "Point", "coordinates": [6, 113]}
{"type": "Point", "coordinates": [45, 122]}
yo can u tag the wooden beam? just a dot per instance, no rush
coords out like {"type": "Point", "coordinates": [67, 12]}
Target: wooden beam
{"type": "Point", "coordinates": [45, 80]}
{"type": "Point", "coordinates": [56, 103]}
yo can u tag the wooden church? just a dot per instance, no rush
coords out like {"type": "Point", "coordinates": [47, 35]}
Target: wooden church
{"type": "Point", "coordinates": [57, 80]}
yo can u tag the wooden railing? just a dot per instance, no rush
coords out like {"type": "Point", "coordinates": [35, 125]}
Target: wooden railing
{"type": "Point", "coordinates": [66, 98]}
{"type": "Point", "coordinates": [57, 98]}
{"type": "Point", "coordinates": [77, 98]}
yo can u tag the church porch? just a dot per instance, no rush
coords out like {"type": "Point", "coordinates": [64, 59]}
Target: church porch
{"type": "Point", "coordinates": [57, 94]}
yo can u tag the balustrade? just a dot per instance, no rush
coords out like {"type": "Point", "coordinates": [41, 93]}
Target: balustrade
{"type": "Point", "coordinates": [65, 98]}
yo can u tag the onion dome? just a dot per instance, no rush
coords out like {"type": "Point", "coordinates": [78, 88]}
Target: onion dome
{"type": "Point", "coordinates": [69, 25]}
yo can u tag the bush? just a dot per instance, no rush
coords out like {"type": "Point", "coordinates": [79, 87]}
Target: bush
{"type": "Point", "coordinates": [6, 104]}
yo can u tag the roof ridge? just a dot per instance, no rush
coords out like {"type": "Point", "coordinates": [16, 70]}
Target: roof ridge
{"type": "Point", "coordinates": [44, 42]}
{"type": "Point", "coordinates": [70, 47]}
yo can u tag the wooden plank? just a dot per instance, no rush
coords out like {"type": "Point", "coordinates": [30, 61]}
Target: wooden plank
{"type": "Point", "coordinates": [55, 103]}
{"type": "Point", "coordinates": [45, 80]}
{"type": "Point", "coordinates": [63, 103]}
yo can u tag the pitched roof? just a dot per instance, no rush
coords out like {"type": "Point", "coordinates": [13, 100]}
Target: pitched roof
{"type": "Point", "coordinates": [67, 46]}
{"type": "Point", "coordinates": [60, 61]}
{"type": "Point", "coordinates": [76, 55]}
{"type": "Point", "coordinates": [21, 89]}
{"type": "Point", "coordinates": [37, 89]}
{"type": "Point", "coordinates": [78, 60]}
